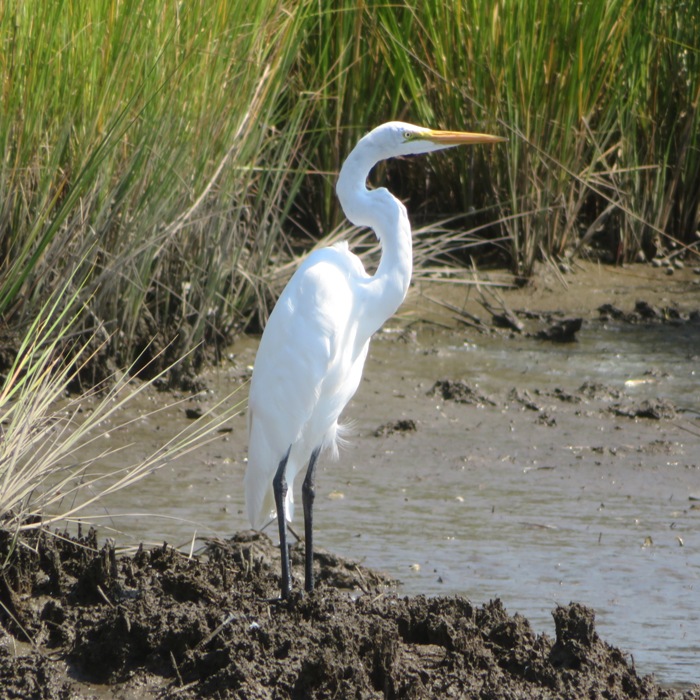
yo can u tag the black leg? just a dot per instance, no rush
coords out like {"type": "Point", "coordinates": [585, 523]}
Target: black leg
{"type": "Point", "coordinates": [308, 493]}
{"type": "Point", "coordinates": [279, 486]}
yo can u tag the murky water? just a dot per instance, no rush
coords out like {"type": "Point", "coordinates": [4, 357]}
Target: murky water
{"type": "Point", "coordinates": [537, 508]}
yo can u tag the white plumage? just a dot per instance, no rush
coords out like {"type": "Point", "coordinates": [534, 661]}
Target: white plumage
{"type": "Point", "coordinates": [305, 373]}
{"type": "Point", "coordinates": [309, 363]}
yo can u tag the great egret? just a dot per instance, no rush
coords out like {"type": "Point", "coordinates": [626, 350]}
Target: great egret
{"type": "Point", "coordinates": [309, 362]}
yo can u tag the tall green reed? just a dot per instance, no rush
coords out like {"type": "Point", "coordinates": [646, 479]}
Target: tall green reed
{"type": "Point", "coordinates": [600, 100]}
{"type": "Point", "coordinates": [179, 155]}
{"type": "Point", "coordinates": [149, 136]}
{"type": "Point", "coordinates": [660, 126]}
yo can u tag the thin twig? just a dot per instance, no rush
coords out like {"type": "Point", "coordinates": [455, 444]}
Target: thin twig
{"type": "Point", "coordinates": [362, 582]}
{"type": "Point", "coordinates": [463, 316]}
{"type": "Point", "coordinates": [177, 670]}
{"type": "Point", "coordinates": [194, 537]}
{"type": "Point", "coordinates": [105, 598]}
{"type": "Point", "coordinates": [30, 639]}
{"type": "Point", "coordinates": [211, 636]}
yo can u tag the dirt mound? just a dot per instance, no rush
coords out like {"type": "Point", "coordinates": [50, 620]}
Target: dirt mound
{"type": "Point", "coordinates": [461, 392]}
{"type": "Point", "coordinates": [162, 624]}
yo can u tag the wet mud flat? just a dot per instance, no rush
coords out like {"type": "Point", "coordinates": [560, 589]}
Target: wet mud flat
{"type": "Point", "coordinates": [79, 619]}
{"type": "Point", "coordinates": [159, 623]}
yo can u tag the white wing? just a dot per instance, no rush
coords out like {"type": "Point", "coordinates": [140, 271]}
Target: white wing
{"type": "Point", "coordinates": [307, 368]}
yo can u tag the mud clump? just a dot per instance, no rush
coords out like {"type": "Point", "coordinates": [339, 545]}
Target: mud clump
{"type": "Point", "coordinates": [460, 392]}
{"type": "Point", "coordinates": [161, 624]}
{"type": "Point", "coordinates": [644, 312]}
{"type": "Point", "coordinates": [656, 409]}
{"type": "Point", "coordinates": [402, 426]}
{"type": "Point", "coordinates": [562, 331]}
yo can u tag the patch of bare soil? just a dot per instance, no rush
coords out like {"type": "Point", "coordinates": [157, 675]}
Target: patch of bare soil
{"type": "Point", "coordinates": [595, 395]}
{"type": "Point", "coordinates": [80, 621]}
{"type": "Point", "coordinates": [554, 304]}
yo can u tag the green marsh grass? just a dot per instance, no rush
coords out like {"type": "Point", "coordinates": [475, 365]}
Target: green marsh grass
{"type": "Point", "coordinates": [177, 154]}
{"type": "Point", "coordinates": [599, 100]}
{"type": "Point", "coordinates": [147, 135]}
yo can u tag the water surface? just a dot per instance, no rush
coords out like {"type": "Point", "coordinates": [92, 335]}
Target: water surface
{"type": "Point", "coordinates": [568, 503]}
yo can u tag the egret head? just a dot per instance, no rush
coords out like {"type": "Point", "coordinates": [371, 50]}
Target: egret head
{"type": "Point", "coordinates": [402, 139]}
{"type": "Point", "coordinates": [388, 141]}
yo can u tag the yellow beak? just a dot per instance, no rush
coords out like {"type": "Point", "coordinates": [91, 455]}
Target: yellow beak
{"type": "Point", "coordinates": [454, 138]}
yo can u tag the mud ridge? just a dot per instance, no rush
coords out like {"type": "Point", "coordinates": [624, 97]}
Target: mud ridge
{"type": "Point", "coordinates": [594, 395]}
{"type": "Point", "coordinates": [76, 618]}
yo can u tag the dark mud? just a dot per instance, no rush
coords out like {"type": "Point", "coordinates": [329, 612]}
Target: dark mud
{"type": "Point", "coordinates": [560, 327]}
{"type": "Point", "coordinates": [594, 395]}
{"type": "Point", "coordinates": [81, 621]}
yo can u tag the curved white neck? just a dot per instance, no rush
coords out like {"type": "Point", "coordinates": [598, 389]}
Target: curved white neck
{"type": "Point", "coordinates": [387, 217]}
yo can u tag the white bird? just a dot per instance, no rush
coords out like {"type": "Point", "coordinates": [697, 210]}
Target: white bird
{"type": "Point", "coordinates": [310, 359]}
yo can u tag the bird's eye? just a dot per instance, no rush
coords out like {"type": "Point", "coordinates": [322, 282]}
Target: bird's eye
{"type": "Point", "coordinates": [407, 135]}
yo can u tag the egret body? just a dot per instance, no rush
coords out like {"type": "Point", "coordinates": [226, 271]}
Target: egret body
{"type": "Point", "coordinates": [310, 359]}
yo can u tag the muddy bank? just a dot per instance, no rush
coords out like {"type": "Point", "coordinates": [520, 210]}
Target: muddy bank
{"type": "Point", "coordinates": [78, 620]}
{"type": "Point", "coordinates": [477, 467]}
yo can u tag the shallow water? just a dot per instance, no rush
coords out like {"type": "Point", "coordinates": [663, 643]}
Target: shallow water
{"type": "Point", "coordinates": [492, 501]}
